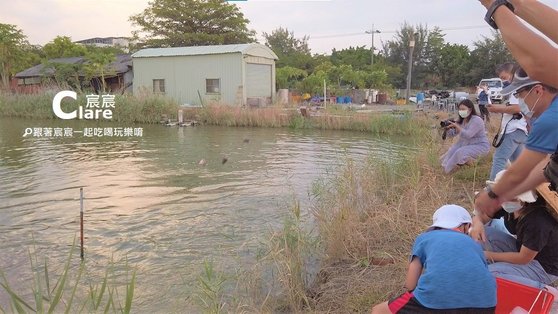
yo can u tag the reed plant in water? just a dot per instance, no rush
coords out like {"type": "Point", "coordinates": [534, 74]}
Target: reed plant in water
{"type": "Point", "coordinates": [69, 291]}
{"type": "Point", "coordinates": [209, 294]}
{"type": "Point", "coordinates": [288, 251]}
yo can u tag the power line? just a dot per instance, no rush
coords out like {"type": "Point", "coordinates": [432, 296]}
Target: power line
{"type": "Point", "coordinates": [457, 28]}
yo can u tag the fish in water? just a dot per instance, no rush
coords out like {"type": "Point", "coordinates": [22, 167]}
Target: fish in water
{"type": "Point", "coordinates": [225, 159]}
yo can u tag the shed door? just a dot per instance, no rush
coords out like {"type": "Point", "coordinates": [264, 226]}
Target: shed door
{"type": "Point", "coordinates": [258, 80]}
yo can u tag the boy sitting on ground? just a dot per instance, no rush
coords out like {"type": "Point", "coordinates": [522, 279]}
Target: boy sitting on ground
{"type": "Point", "coordinates": [448, 272]}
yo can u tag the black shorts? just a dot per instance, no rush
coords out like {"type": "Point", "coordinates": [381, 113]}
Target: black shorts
{"type": "Point", "coordinates": [407, 303]}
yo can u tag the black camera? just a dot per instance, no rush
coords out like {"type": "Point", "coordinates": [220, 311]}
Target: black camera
{"type": "Point", "coordinates": [517, 116]}
{"type": "Point", "coordinates": [446, 123]}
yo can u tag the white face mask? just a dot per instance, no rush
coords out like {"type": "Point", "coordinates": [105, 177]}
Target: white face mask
{"type": "Point", "coordinates": [463, 113]}
{"type": "Point", "coordinates": [523, 104]}
{"type": "Point", "coordinates": [511, 207]}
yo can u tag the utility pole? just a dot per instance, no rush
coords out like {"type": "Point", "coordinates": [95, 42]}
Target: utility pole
{"type": "Point", "coordinates": [410, 67]}
{"type": "Point", "coordinates": [372, 32]}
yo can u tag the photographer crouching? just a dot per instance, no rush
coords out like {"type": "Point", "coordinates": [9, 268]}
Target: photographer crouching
{"type": "Point", "coordinates": [472, 142]}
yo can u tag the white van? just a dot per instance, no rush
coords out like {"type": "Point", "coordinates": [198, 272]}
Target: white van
{"type": "Point", "coordinates": [495, 86]}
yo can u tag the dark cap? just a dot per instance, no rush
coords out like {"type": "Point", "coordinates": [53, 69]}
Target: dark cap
{"type": "Point", "coordinates": [520, 79]}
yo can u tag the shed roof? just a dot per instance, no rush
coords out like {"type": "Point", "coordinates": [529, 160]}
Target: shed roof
{"type": "Point", "coordinates": [256, 50]}
{"type": "Point", "coordinates": [119, 65]}
{"type": "Point", "coordinates": [40, 70]}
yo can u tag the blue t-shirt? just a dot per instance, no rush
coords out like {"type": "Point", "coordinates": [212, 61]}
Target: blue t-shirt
{"type": "Point", "coordinates": [483, 98]}
{"type": "Point", "coordinates": [455, 274]}
{"type": "Point", "coordinates": [543, 137]}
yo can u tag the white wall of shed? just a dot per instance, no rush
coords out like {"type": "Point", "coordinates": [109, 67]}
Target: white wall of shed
{"type": "Point", "coordinates": [185, 75]}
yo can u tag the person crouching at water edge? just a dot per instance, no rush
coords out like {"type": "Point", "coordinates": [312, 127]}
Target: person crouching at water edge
{"type": "Point", "coordinates": [472, 142]}
{"type": "Point", "coordinates": [448, 272]}
{"type": "Point", "coordinates": [530, 256]}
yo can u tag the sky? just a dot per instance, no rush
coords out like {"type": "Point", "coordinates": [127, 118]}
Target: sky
{"type": "Point", "coordinates": [330, 24]}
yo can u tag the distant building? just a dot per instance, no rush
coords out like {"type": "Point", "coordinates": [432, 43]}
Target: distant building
{"type": "Point", "coordinates": [242, 74]}
{"type": "Point", "coordinates": [122, 42]}
{"type": "Point", "coordinates": [118, 77]}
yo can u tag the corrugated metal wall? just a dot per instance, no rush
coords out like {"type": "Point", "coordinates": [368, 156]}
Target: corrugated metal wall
{"type": "Point", "coordinates": [185, 75]}
{"type": "Point", "coordinates": [255, 66]}
{"type": "Point", "coordinates": [258, 80]}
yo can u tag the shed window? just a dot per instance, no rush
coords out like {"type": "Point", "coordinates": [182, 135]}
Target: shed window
{"type": "Point", "coordinates": [29, 81]}
{"type": "Point", "coordinates": [213, 86]}
{"type": "Point", "coordinates": [158, 86]}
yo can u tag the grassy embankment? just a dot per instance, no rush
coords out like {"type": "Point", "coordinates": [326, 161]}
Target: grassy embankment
{"type": "Point", "coordinates": [369, 216]}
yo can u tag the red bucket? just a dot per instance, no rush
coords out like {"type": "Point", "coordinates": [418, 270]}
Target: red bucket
{"type": "Point", "coordinates": [512, 295]}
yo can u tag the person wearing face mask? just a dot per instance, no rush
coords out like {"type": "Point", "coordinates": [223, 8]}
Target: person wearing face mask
{"type": "Point", "coordinates": [472, 142]}
{"type": "Point", "coordinates": [529, 258]}
{"type": "Point", "coordinates": [512, 134]}
{"type": "Point", "coordinates": [542, 103]}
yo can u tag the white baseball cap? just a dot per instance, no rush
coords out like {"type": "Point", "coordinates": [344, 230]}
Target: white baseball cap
{"type": "Point", "coordinates": [527, 197]}
{"type": "Point", "coordinates": [450, 216]}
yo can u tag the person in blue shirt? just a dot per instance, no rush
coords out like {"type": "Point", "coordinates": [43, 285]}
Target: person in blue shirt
{"type": "Point", "coordinates": [484, 100]}
{"type": "Point", "coordinates": [542, 103]}
{"type": "Point", "coordinates": [420, 99]}
{"type": "Point", "coordinates": [447, 272]}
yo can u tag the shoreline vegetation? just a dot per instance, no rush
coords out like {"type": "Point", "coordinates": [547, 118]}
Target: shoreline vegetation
{"type": "Point", "coordinates": [365, 216]}
{"type": "Point", "coordinates": [152, 109]}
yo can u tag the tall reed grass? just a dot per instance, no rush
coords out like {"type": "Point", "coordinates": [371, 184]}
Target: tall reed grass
{"type": "Point", "coordinates": [210, 290]}
{"type": "Point", "coordinates": [389, 124]}
{"type": "Point", "coordinates": [278, 281]}
{"type": "Point", "coordinates": [69, 291]}
{"type": "Point", "coordinates": [289, 250]}
{"type": "Point", "coordinates": [144, 108]}
{"type": "Point", "coordinates": [152, 108]}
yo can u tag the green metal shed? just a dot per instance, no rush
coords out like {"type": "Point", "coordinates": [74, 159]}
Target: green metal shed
{"type": "Point", "coordinates": [242, 74]}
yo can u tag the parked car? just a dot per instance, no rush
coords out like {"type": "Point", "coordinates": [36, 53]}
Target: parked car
{"type": "Point", "coordinates": [495, 86]}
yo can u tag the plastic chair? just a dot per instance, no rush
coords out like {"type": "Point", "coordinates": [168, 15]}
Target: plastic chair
{"type": "Point", "coordinates": [441, 104]}
{"type": "Point", "coordinates": [452, 106]}
{"type": "Point", "coordinates": [511, 295]}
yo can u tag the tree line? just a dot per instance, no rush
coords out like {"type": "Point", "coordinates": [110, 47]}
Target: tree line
{"type": "Point", "coordinates": [17, 54]}
{"type": "Point", "coordinates": [175, 23]}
